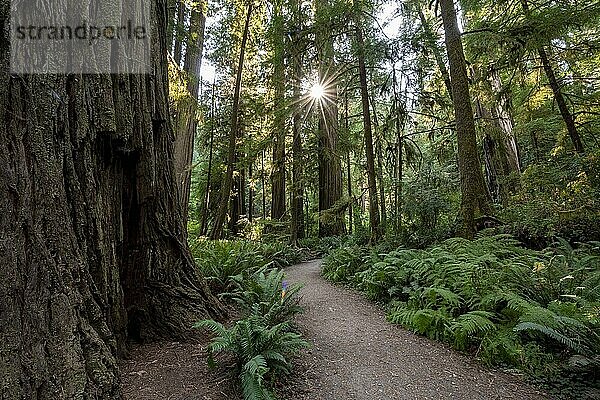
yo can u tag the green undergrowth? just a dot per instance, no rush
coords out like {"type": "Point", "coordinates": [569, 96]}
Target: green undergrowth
{"type": "Point", "coordinates": [538, 311]}
{"type": "Point", "coordinates": [220, 260]}
{"type": "Point", "coordinates": [264, 339]}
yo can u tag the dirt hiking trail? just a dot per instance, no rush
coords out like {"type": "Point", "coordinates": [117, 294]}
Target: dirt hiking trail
{"type": "Point", "coordinates": [357, 354]}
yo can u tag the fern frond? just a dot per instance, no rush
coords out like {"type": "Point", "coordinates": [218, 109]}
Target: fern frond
{"type": "Point", "coordinates": [469, 326]}
{"type": "Point", "coordinates": [550, 332]}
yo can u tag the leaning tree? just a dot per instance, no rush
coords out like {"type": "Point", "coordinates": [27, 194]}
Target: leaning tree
{"type": "Point", "coordinates": [91, 232]}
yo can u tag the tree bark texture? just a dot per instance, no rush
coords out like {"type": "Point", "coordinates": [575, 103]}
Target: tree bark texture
{"type": "Point", "coordinates": [90, 230]}
{"type": "Point", "coordinates": [502, 166]}
{"type": "Point", "coordinates": [186, 121]}
{"type": "Point", "coordinates": [475, 199]}
{"type": "Point", "coordinates": [297, 201]}
{"type": "Point", "coordinates": [501, 112]}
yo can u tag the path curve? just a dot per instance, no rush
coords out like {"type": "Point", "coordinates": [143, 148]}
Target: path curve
{"type": "Point", "coordinates": [358, 355]}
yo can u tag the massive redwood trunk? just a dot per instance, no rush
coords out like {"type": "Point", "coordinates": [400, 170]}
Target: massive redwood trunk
{"type": "Point", "coordinates": [297, 200]}
{"type": "Point", "coordinates": [90, 228]}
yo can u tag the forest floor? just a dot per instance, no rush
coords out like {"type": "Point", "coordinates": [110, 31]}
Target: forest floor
{"type": "Point", "coordinates": [355, 355]}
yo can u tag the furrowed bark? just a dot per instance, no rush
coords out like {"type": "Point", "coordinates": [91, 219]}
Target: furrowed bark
{"type": "Point", "coordinates": [90, 233]}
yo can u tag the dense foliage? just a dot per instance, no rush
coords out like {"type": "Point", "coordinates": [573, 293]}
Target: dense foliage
{"type": "Point", "coordinates": [538, 311]}
{"type": "Point", "coordinates": [248, 275]}
{"type": "Point", "coordinates": [431, 120]}
{"type": "Point", "coordinates": [220, 261]}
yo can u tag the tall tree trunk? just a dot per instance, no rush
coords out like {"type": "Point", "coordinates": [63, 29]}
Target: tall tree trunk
{"type": "Point", "coordinates": [398, 170]}
{"type": "Point", "coordinates": [350, 196]}
{"type": "Point", "coordinates": [382, 199]}
{"type": "Point", "coordinates": [348, 168]}
{"type": "Point", "coordinates": [560, 101]}
{"type": "Point", "coordinates": [379, 158]}
{"type": "Point", "coordinates": [297, 202]}
{"type": "Point", "coordinates": [186, 121]}
{"type": "Point", "coordinates": [204, 224]}
{"type": "Point", "coordinates": [331, 221]}
{"type": "Point", "coordinates": [475, 199]}
{"type": "Point", "coordinates": [501, 113]}
{"type": "Point", "coordinates": [374, 220]}
{"type": "Point", "coordinates": [499, 144]}
{"type": "Point", "coordinates": [250, 193]}
{"type": "Point", "coordinates": [217, 230]}
{"type": "Point", "coordinates": [263, 185]}
{"type": "Point", "coordinates": [278, 175]}
{"type": "Point", "coordinates": [91, 247]}
{"type": "Point", "coordinates": [566, 114]}
{"type": "Point", "coordinates": [234, 206]}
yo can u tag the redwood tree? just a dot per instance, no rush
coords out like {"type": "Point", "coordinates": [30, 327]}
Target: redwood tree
{"type": "Point", "coordinates": [91, 232]}
{"type": "Point", "coordinates": [331, 220]}
{"type": "Point", "coordinates": [186, 121]}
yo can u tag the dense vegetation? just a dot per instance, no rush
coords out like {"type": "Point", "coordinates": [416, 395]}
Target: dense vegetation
{"type": "Point", "coordinates": [444, 154]}
{"type": "Point", "coordinates": [378, 148]}
{"type": "Point", "coordinates": [263, 340]}
{"type": "Point", "coordinates": [538, 311]}
{"type": "Point", "coordinates": [380, 133]}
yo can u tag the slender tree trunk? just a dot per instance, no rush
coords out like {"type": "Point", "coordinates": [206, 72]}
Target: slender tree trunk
{"type": "Point", "coordinates": [348, 168]}
{"type": "Point", "coordinates": [368, 136]}
{"type": "Point", "coordinates": [398, 170]}
{"type": "Point", "coordinates": [475, 199]}
{"type": "Point", "coordinates": [243, 189]}
{"type": "Point", "coordinates": [350, 196]}
{"type": "Point", "coordinates": [263, 185]}
{"type": "Point", "coordinates": [204, 224]}
{"type": "Point", "coordinates": [379, 169]}
{"type": "Point", "coordinates": [558, 96]}
{"type": "Point", "coordinates": [560, 101]}
{"type": "Point", "coordinates": [297, 202]}
{"type": "Point", "coordinates": [186, 121]}
{"type": "Point", "coordinates": [250, 194]}
{"type": "Point", "coordinates": [278, 174]}
{"type": "Point", "coordinates": [91, 248]}
{"type": "Point", "coordinates": [217, 231]}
